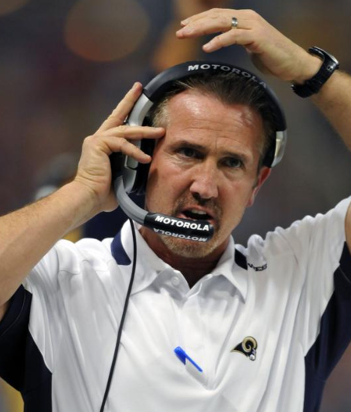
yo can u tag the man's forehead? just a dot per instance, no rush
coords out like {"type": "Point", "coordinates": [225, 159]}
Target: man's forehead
{"type": "Point", "coordinates": [195, 101]}
{"type": "Point", "coordinates": [191, 109]}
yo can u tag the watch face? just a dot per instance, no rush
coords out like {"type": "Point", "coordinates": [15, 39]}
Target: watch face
{"type": "Point", "coordinates": [332, 58]}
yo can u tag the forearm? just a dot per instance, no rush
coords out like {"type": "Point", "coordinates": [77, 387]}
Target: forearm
{"type": "Point", "coordinates": [334, 101]}
{"type": "Point", "coordinates": [172, 51]}
{"type": "Point", "coordinates": [29, 233]}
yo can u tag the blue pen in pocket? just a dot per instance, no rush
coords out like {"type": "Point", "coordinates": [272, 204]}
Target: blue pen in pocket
{"type": "Point", "coordinates": [183, 356]}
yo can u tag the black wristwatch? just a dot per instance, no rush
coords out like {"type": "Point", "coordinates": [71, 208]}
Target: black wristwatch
{"type": "Point", "coordinates": [313, 85]}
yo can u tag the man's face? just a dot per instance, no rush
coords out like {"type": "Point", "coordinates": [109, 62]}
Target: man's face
{"type": "Point", "coordinates": [206, 167]}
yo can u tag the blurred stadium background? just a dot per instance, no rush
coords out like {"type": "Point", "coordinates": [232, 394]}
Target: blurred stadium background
{"type": "Point", "coordinates": [65, 65]}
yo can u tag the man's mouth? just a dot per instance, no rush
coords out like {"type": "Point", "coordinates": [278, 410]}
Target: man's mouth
{"type": "Point", "coordinates": [195, 214]}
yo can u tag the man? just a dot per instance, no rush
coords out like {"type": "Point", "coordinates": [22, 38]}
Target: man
{"type": "Point", "coordinates": [209, 326]}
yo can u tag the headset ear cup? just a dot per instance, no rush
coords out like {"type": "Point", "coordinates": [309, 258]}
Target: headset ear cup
{"type": "Point", "coordinates": [139, 188]}
{"type": "Point", "coordinates": [117, 164]}
{"type": "Point", "coordinates": [269, 157]}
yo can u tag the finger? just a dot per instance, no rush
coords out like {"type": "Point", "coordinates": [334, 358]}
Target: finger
{"type": "Point", "coordinates": [237, 36]}
{"type": "Point", "coordinates": [123, 108]}
{"type": "Point", "coordinates": [221, 18]}
{"type": "Point", "coordinates": [192, 18]}
{"type": "Point", "coordinates": [129, 149]}
{"type": "Point", "coordinates": [204, 25]}
{"type": "Point", "coordinates": [202, 28]}
{"type": "Point", "coordinates": [135, 132]}
{"type": "Point", "coordinates": [223, 15]}
{"type": "Point", "coordinates": [117, 140]}
{"type": "Point", "coordinates": [207, 23]}
{"type": "Point", "coordinates": [122, 145]}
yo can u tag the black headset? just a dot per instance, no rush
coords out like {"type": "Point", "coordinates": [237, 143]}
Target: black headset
{"type": "Point", "coordinates": [129, 176]}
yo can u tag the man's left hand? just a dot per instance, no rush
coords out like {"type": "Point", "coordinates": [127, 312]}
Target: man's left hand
{"type": "Point", "coordinates": [271, 51]}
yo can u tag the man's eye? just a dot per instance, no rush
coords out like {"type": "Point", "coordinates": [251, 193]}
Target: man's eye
{"type": "Point", "coordinates": [188, 152]}
{"type": "Point", "coordinates": [233, 162]}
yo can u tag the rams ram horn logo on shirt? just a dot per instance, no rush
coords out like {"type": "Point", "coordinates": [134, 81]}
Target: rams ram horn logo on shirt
{"type": "Point", "coordinates": [247, 347]}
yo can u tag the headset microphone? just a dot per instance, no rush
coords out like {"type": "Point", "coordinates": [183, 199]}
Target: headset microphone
{"type": "Point", "coordinates": [130, 176]}
{"type": "Point", "coordinates": [199, 230]}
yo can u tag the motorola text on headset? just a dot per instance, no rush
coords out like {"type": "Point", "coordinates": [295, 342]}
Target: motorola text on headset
{"type": "Point", "coordinates": [130, 176]}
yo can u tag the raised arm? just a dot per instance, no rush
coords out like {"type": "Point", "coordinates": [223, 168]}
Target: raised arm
{"type": "Point", "coordinates": [275, 54]}
{"type": "Point", "coordinates": [170, 51]}
{"type": "Point", "coordinates": [28, 234]}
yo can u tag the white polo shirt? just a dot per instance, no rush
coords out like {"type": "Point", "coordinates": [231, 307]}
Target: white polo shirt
{"type": "Point", "coordinates": [265, 327]}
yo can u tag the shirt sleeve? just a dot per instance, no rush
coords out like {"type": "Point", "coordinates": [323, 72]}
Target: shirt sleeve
{"type": "Point", "coordinates": [27, 331]}
{"type": "Point", "coordinates": [29, 327]}
{"type": "Point", "coordinates": [322, 264]}
{"type": "Point", "coordinates": [13, 332]}
{"type": "Point", "coordinates": [53, 313]}
{"type": "Point", "coordinates": [72, 288]}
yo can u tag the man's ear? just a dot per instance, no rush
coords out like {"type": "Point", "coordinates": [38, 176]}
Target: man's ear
{"type": "Point", "coordinates": [263, 175]}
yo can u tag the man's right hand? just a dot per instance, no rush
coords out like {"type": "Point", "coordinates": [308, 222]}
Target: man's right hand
{"type": "Point", "coordinates": [29, 233]}
{"type": "Point", "coordinates": [94, 169]}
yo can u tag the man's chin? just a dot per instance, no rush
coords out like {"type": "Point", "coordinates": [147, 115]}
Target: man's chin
{"type": "Point", "coordinates": [188, 248]}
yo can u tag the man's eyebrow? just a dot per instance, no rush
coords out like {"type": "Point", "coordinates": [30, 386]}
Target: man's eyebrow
{"type": "Point", "coordinates": [186, 143]}
{"type": "Point", "coordinates": [241, 155]}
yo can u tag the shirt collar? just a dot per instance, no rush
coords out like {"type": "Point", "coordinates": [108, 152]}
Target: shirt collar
{"type": "Point", "coordinates": [229, 267]}
{"type": "Point", "coordinates": [149, 265]}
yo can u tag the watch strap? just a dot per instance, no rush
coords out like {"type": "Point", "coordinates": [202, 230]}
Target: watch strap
{"type": "Point", "coordinates": [313, 85]}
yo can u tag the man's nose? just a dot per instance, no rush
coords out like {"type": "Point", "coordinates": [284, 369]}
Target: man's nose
{"type": "Point", "coordinates": [205, 180]}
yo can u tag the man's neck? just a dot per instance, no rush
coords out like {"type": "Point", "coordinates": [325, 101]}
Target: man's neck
{"type": "Point", "coordinates": [193, 269]}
